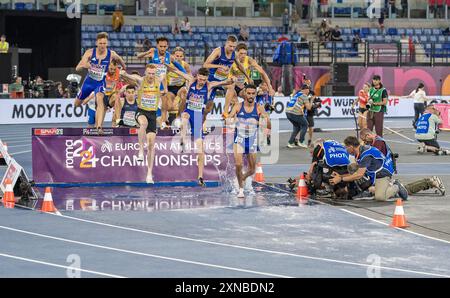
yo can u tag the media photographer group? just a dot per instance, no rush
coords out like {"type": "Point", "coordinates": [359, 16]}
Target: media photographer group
{"type": "Point", "coordinates": [37, 87]}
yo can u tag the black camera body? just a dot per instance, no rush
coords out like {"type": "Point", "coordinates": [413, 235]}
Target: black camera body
{"type": "Point", "coordinates": [316, 104]}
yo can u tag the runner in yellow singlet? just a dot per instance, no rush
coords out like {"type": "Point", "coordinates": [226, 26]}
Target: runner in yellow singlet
{"type": "Point", "coordinates": [242, 79]}
{"type": "Point", "coordinates": [148, 100]}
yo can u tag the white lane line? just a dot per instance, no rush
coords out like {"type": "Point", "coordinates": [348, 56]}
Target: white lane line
{"type": "Point", "coordinates": [144, 254]}
{"type": "Point", "coordinates": [385, 224]}
{"type": "Point", "coordinates": [242, 247]}
{"type": "Point", "coordinates": [17, 142]}
{"type": "Point", "coordinates": [19, 146]}
{"type": "Point", "coordinates": [59, 266]}
{"type": "Point", "coordinates": [7, 135]}
{"type": "Point", "coordinates": [17, 153]}
{"type": "Point", "coordinates": [7, 139]}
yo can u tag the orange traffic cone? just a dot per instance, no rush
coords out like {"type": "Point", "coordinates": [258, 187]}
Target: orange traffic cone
{"type": "Point", "coordinates": [8, 197]}
{"type": "Point", "coordinates": [259, 175]}
{"type": "Point", "coordinates": [47, 205]}
{"type": "Point", "coordinates": [302, 189]}
{"type": "Point", "coordinates": [399, 220]}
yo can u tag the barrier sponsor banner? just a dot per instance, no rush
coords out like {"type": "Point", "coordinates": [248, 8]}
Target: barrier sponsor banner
{"type": "Point", "coordinates": [62, 110]}
{"type": "Point", "coordinates": [445, 115]}
{"type": "Point", "coordinates": [24, 111]}
{"type": "Point", "coordinates": [68, 155]}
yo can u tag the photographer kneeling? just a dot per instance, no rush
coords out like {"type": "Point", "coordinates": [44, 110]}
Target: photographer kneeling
{"type": "Point", "coordinates": [376, 166]}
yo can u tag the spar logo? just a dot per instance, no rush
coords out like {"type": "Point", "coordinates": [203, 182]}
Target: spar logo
{"type": "Point", "coordinates": [78, 152]}
{"type": "Point", "coordinates": [107, 146]}
{"type": "Point", "coordinates": [48, 131]}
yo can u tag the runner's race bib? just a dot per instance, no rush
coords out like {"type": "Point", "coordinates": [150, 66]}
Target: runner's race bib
{"type": "Point", "coordinates": [221, 74]}
{"type": "Point", "coordinates": [96, 72]}
{"type": "Point", "coordinates": [161, 70]}
{"type": "Point", "coordinates": [149, 102]}
{"type": "Point", "coordinates": [195, 103]}
{"type": "Point", "coordinates": [129, 118]}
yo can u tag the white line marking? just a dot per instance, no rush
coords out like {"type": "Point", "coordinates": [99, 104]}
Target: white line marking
{"type": "Point", "coordinates": [17, 142]}
{"type": "Point", "coordinates": [243, 247]}
{"type": "Point", "coordinates": [407, 231]}
{"type": "Point", "coordinates": [6, 135]}
{"type": "Point", "coordinates": [19, 138]}
{"type": "Point", "coordinates": [145, 254]}
{"type": "Point", "coordinates": [19, 146]}
{"type": "Point", "coordinates": [59, 266]}
{"type": "Point", "coordinates": [356, 214]}
{"type": "Point", "coordinates": [17, 153]}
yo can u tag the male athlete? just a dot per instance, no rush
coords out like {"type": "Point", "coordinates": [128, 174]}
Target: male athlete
{"type": "Point", "coordinates": [195, 107]}
{"type": "Point", "coordinates": [108, 94]}
{"type": "Point", "coordinates": [160, 56]}
{"type": "Point", "coordinates": [177, 83]}
{"type": "Point", "coordinates": [242, 78]}
{"type": "Point", "coordinates": [248, 114]}
{"type": "Point", "coordinates": [125, 109]}
{"type": "Point", "coordinates": [96, 61]}
{"type": "Point", "coordinates": [148, 98]}
{"type": "Point", "coordinates": [219, 63]}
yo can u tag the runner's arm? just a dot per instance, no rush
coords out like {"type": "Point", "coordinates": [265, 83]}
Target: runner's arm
{"type": "Point", "coordinates": [235, 110]}
{"type": "Point", "coordinates": [135, 79]}
{"type": "Point", "coordinates": [84, 62]}
{"type": "Point", "coordinates": [242, 69]}
{"type": "Point", "coordinates": [214, 55]}
{"type": "Point", "coordinates": [226, 82]}
{"type": "Point", "coordinates": [147, 54]}
{"type": "Point", "coordinates": [185, 76]}
{"type": "Point", "coordinates": [116, 57]}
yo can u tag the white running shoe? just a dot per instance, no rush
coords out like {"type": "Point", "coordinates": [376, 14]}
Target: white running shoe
{"type": "Point", "coordinates": [437, 183]}
{"type": "Point", "coordinates": [149, 179]}
{"type": "Point", "coordinates": [289, 145]}
{"type": "Point", "coordinates": [421, 149]}
{"type": "Point", "coordinates": [302, 145]}
{"type": "Point", "coordinates": [241, 193]}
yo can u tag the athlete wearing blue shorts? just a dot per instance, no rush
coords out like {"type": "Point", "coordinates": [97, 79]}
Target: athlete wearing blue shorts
{"type": "Point", "coordinates": [219, 63]}
{"type": "Point", "coordinates": [248, 114]}
{"type": "Point", "coordinates": [195, 107]}
{"type": "Point", "coordinates": [96, 61]}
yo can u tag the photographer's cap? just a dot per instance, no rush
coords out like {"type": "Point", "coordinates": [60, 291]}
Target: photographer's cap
{"type": "Point", "coordinates": [304, 86]}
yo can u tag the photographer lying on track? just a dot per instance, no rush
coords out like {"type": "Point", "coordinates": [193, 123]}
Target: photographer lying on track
{"type": "Point", "coordinates": [427, 130]}
{"type": "Point", "coordinates": [376, 166]}
{"type": "Point", "coordinates": [371, 139]}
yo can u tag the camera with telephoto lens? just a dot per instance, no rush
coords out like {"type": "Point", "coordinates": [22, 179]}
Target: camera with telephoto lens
{"type": "Point", "coordinates": [316, 104]}
{"type": "Point", "coordinates": [369, 103]}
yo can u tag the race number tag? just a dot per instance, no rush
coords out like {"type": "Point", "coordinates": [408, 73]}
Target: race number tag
{"type": "Point", "coordinates": [150, 102]}
{"type": "Point", "coordinates": [96, 72]}
{"type": "Point", "coordinates": [129, 118]}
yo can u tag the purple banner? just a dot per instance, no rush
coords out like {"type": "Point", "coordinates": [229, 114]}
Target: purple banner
{"type": "Point", "coordinates": [68, 155]}
{"type": "Point", "coordinates": [397, 80]}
